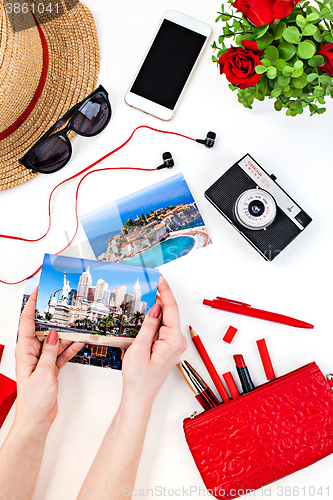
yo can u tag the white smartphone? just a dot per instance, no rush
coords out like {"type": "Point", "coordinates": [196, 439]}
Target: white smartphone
{"type": "Point", "coordinates": [168, 64]}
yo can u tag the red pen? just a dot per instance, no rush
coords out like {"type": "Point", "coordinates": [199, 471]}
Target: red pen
{"type": "Point", "coordinates": [245, 309]}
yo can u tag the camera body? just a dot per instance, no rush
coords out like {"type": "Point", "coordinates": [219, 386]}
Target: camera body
{"type": "Point", "coordinates": [257, 207]}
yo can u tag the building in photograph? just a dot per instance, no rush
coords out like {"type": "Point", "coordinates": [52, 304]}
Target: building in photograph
{"type": "Point", "coordinates": [106, 297]}
{"type": "Point", "coordinates": [119, 292]}
{"type": "Point", "coordinates": [84, 284]}
{"type": "Point", "coordinates": [91, 294]}
{"type": "Point", "coordinates": [101, 287]}
{"type": "Point", "coordinates": [136, 294]}
{"type": "Point", "coordinates": [143, 307]}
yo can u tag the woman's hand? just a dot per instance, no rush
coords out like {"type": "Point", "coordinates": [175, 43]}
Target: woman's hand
{"type": "Point", "coordinates": [37, 369]}
{"type": "Point", "coordinates": [155, 350]}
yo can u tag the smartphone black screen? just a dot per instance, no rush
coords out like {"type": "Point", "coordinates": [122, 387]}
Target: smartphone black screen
{"type": "Point", "coordinates": [168, 64]}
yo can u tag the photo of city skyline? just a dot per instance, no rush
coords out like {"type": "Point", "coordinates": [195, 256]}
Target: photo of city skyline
{"type": "Point", "coordinates": [91, 301]}
{"type": "Point", "coordinates": [148, 228]}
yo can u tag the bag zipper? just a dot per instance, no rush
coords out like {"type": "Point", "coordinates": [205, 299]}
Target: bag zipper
{"type": "Point", "coordinates": [265, 388]}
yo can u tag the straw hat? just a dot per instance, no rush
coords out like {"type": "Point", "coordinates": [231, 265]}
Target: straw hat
{"type": "Point", "coordinates": [44, 70]}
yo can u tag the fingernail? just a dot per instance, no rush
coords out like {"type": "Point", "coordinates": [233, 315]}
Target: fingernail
{"type": "Point", "coordinates": [155, 311]}
{"type": "Point", "coordinates": [52, 337]}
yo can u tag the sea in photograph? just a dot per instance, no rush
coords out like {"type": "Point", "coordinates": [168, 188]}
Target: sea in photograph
{"type": "Point", "coordinates": [99, 243]}
{"type": "Point", "coordinates": [163, 253]}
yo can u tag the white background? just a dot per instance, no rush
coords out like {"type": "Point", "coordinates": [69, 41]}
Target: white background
{"type": "Point", "coordinates": [298, 283]}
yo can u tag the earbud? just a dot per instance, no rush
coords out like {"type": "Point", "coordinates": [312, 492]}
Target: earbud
{"type": "Point", "coordinates": [167, 161]}
{"type": "Point", "coordinates": [209, 141]}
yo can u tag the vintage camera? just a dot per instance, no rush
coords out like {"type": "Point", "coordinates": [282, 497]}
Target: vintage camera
{"type": "Point", "coordinates": [261, 211]}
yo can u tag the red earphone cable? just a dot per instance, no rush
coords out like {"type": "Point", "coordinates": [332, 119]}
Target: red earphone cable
{"type": "Point", "coordinates": [77, 191]}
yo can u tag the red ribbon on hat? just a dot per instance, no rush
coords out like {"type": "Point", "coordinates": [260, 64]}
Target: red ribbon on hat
{"type": "Point", "coordinates": [40, 87]}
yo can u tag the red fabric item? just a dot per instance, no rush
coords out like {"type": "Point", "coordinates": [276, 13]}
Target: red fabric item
{"type": "Point", "coordinates": [7, 396]}
{"type": "Point", "coordinates": [269, 433]}
{"type": "Point", "coordinates": [38, 92]}
{"type": "Point", "coordinates": [1, 351]}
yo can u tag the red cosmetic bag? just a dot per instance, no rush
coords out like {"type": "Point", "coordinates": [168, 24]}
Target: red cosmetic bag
{"type": "Point", "coordinates": [262, 436]}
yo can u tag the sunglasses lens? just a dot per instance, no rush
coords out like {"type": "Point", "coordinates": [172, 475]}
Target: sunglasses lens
{"type": "Point", "coordinates": [51, 155]}
{"type": "Point", "coordinates": [93, 116]}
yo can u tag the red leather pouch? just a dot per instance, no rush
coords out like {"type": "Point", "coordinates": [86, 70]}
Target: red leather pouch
{"type": "Point", "coordinates": [277, 429]}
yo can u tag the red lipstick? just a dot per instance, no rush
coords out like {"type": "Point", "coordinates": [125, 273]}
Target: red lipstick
{"type": "Point", "coordinates": [243, 373]}
{"type": "Point", "coordinates": [203, 393]}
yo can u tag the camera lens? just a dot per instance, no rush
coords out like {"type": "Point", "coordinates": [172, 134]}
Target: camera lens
{"type": "Point", "coordinates": [255, 209]}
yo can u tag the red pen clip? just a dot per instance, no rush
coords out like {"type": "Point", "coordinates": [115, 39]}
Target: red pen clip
{"type": "Point", "coordinates": [233, 301]}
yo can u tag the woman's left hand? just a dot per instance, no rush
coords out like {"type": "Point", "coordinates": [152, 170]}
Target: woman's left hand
{"type": "Point", "coordinates": [37, 368]}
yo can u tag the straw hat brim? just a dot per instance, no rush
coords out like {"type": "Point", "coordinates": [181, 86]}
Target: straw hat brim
{"type": "Point", "coordinates": [73, 66]}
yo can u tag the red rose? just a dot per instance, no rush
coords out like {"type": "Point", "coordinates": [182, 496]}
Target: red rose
{"type": "Point", "coordinates": [238, 64]}
{"type": "Point", "coordinates": [327, 52]}
{"type": "Point", "coordinates": [262, 12]}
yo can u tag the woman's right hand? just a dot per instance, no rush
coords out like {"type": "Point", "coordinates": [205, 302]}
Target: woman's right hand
{"type": "Point", "coordinates": [155, 350]}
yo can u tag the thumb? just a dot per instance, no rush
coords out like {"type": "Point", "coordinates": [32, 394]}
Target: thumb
{"type": "Point", "coordinates": [50, 351]}
{"type": "Point", "coordinates": [149, 327]}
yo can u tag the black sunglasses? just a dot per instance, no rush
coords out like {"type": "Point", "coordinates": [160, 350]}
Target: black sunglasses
{"type": "Point", "coordinates": [88, 118]}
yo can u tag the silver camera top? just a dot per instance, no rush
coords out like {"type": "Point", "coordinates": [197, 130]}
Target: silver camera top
{"type": "Point", "coordinates": [268, 184]}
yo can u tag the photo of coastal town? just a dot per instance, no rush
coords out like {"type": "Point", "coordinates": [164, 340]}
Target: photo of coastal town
{"type": "Point", "coordinates": [148, 228]}
{"type": "Point", "coordinates": [99, 303]}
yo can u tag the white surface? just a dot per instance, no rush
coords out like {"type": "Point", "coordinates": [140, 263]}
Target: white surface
{"type": "Point", "coordinates": [298, 283]}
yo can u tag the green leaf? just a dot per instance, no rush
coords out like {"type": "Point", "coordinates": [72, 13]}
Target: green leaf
{"type": "Point", "coordinates": [328, 38]}
{"type": "Point", "coordinates": [264, 41]}
{"type": "Point", "coordinates": [286, 50]}
{"type": "Point", "coordinates": [300, 82]}
{"type": "Point", "coordinates": [328, 16]}
{"type": "Point", "coordinates": [276, 92]}
{"type": "Point", "coordinates": [260, 69]}
{"type": "Point", "coordinates": [306, 50]}
{"type": "Point", "coordinates": [296, 92]}
{"type": "Point", "coordinates": [278, 29]}
{"type": "Point", "coordinates": [278, 105]}
{"type": "Point", "coordinates": [312, 17]}
{"type": "Point", "coordinates": [288, 93]}
{"type": "Point", "coordinates": [262, 32]}
{"type": "Point", "coordinates": [280, 64]}
{"type": "Point", "coordinates": [283, 81]}
{"type": "Point", "coordinates": [271, 72]}
{"type": "Point", "coordinates": [320, 111]}
{"type": "Point", "coordinates": [325, 80]}
{"type": "Point", "coordinates": [297, 73]}
{"type": "Point", "coordinates": [317, 35]}
{"type": "Point", "coordinates": [316, 61]}
{"type": "Point", "coordinates": [300, 21]}
{"type": "Point", "coordinates": [309, 30]}
{"type": "Point", "coordinates": [236, 25]}
{"type": "Point", "coordinates": [287, 71]}
{"type": "Point", "coordinates": [292, 35]}
{"type": "Point", "coordinates": [312, 77]}
{"type": "Point", "coordinates": [266, 62]}
{"type": "Point", "coordinates": [263, 85]}
{"type": "Point", "coordinates": [298, 64]}
{"type": "Point", "coordinates": [272, 53]}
